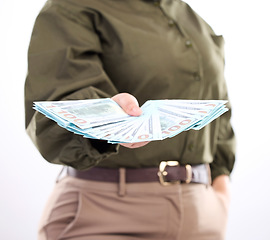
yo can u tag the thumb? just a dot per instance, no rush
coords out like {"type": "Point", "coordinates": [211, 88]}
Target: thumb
{"type": "Point", "coordinates": [128, 103]}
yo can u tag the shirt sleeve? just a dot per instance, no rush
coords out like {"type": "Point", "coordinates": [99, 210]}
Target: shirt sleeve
{"type": "Point", "coordinates": [224, 154]}
{"type": "Point", "coordinates": [64, 64]}
{"type": "Point", "coordinates": [224, 158]}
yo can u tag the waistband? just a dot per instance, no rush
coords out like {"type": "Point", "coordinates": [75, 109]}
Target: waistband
{"type": "Point", "coordinates": [169, 172]}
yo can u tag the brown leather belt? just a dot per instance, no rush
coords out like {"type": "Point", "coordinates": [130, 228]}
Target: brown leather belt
{"type": "Point", "coordinates": [169, 172]}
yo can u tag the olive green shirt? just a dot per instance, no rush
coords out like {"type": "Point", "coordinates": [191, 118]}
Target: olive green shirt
{"type": "Point", "coordinates": [82, 49]}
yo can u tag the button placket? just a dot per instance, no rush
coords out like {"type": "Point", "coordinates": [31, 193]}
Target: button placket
{"type": "Point", "coordinates": [170, 21]}
{"type": "Point", "coordinates": [175, 23]}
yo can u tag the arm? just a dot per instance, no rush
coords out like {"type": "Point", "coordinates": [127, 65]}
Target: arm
{"type": "Point", "coordinates": [64, 64]}
{"type": "Point", "coordinates": [224, 159]}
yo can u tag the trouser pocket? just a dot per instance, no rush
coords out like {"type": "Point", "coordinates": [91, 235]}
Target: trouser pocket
{"type": "Point", "coordinates": [204, 214]}
{"type": "Point", "coordinates": [60, 215]}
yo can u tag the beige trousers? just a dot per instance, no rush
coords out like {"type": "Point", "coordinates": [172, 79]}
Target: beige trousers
{"type": "Point", "coordinates": [87, 210]}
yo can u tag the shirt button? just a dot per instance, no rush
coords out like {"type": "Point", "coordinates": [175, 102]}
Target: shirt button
{"type": "Point", "coordinates": [191, 147]}
{"type": "Point", "coordinates": [188, 43]}
{"type": "Point", "coordinates": [171, 23]}
{"type": "Point", "coordinates": [196, 76]}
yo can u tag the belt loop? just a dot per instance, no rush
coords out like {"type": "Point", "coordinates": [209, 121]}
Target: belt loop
{"type": "Point", "coordinates": [122, 182]}
{"type": "Point", "coordinates": [209, 175]}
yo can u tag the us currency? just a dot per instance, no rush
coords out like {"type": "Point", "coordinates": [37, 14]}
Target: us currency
{"type": "Point", "coordinates": [104, 119]}
{"type": "Point", "coordinates": [85, 113]}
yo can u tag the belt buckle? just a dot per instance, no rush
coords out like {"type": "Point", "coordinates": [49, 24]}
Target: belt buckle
{"type": "Point", "coordinates": [162, 173]}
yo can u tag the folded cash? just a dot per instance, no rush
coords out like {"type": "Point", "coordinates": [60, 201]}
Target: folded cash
{"type": "Point", "coordinates": [104, 119]}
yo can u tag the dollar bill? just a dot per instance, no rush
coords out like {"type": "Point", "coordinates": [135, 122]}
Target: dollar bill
{"type": "Point", "coordinates": [104, 119]}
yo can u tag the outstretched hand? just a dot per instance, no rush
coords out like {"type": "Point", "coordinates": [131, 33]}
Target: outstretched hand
{"type": "Point", "coordinates": [130, 105]}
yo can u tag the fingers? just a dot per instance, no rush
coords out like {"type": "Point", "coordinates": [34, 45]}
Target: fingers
{"type": "Point", "coordinates": [128, 103]}
{"type": "Point", "coordinates": [134, 145]}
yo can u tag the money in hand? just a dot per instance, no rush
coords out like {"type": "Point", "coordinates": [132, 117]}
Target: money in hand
{"type": "Point", "coordinates": [104, 119]}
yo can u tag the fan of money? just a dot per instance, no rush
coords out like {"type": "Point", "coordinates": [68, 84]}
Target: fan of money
{"type": "Point", "coordinates": [104, 119]}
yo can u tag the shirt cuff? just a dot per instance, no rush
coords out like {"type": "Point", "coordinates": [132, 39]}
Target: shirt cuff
{"type": "Point", "coordinates": [85, 153]}
{"type": "Point", "coordinates": [215, 172]}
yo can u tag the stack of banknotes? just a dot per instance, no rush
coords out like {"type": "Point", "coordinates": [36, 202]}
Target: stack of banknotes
{"type": "Point", "coordinates": [104, 119]}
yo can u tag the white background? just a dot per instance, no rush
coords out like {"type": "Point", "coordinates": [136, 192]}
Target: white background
{"type": "Point", "coordinates": [26, 180]}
